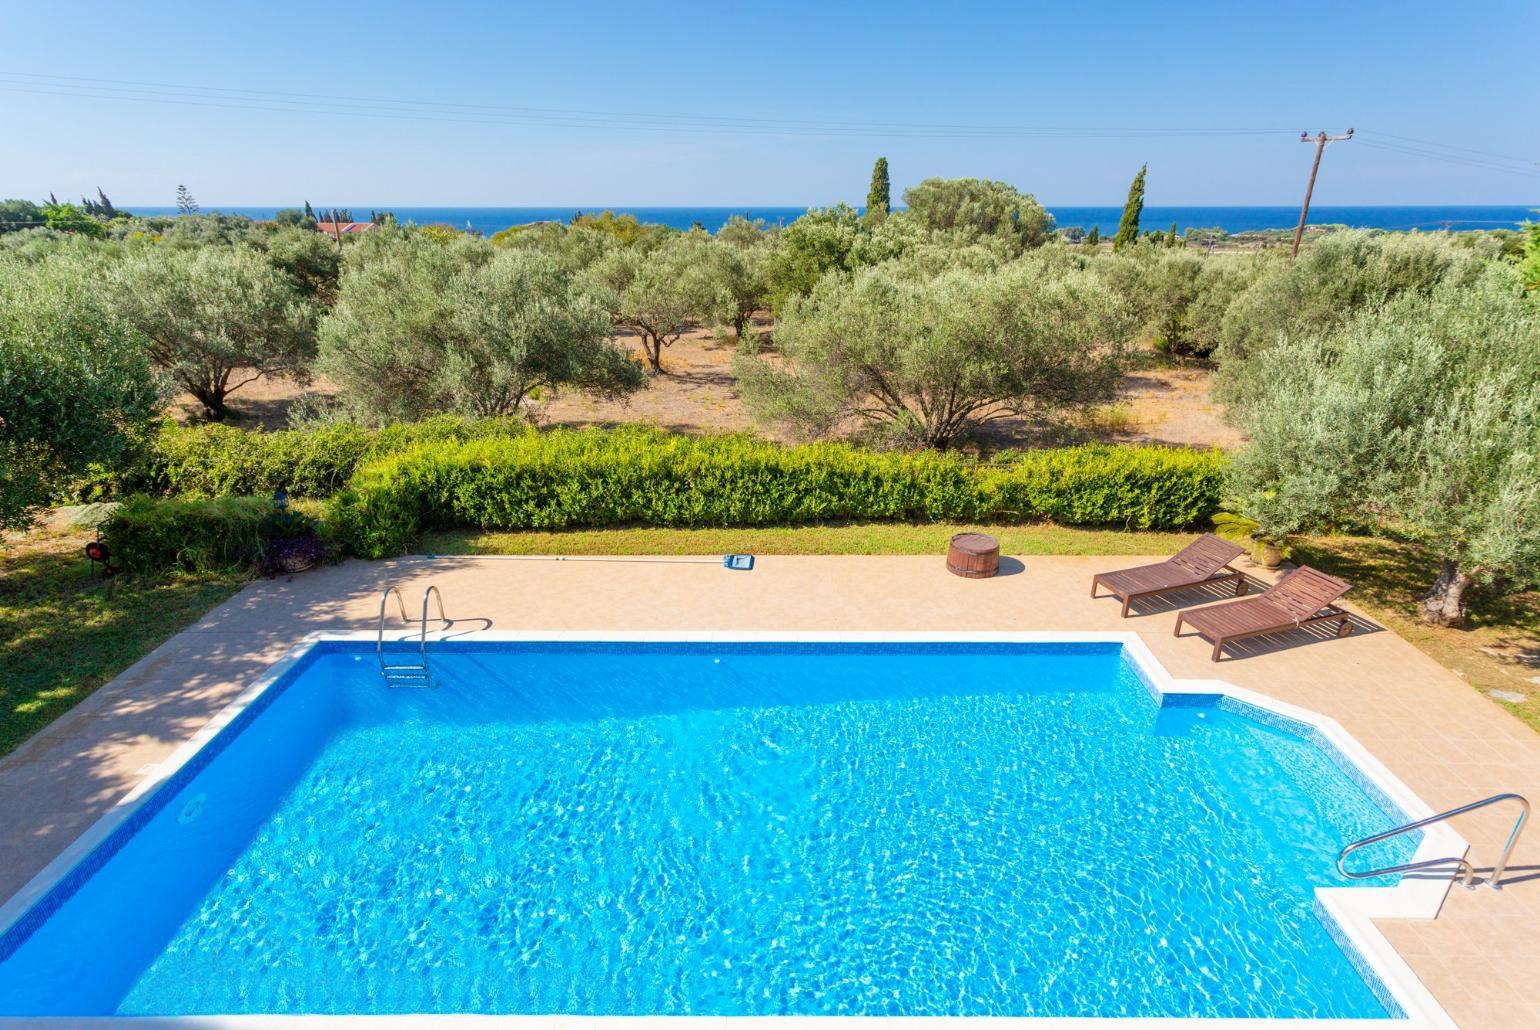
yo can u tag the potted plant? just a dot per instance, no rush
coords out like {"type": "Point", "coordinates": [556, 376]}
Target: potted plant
{"type": "Point", "coordinates": [290, 541]}
{"type": "Point", "coordinates": [1256, 521]}
{"type": "Point", "coordinates": [1267, 551]}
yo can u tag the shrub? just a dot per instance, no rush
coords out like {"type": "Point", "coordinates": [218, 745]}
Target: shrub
{"type": "Point", "coordinates": [570, 479]}
{"type": "Point", "coordinates": [216, 461]}
{"type": "Point", "coordinates": [150, 535]}
{"type": "Point", "coordinates": [154, 536]}
{"type": "Point", "coordinates": [1135, 487]}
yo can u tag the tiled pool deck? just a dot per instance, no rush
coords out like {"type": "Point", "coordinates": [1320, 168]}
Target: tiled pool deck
{"type": "Point", "coordinates": [1480, 958]}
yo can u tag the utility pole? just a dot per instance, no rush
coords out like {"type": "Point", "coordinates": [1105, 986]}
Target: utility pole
{"type": "Point", "coordinates": [1321, 140]}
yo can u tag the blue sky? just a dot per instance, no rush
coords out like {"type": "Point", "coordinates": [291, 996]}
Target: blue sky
{"type": "Point", "coordinates": [893, 76]}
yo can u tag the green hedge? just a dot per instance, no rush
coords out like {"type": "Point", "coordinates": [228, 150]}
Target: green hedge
{"type": "Point", "coordinates": [222, 461]}
{"type": "Point", "coordinates": [566, 479]}
{"type": "Point", "coordinates": [155, 535]}
{"type": "Point", "coordinates": [1103, 484]}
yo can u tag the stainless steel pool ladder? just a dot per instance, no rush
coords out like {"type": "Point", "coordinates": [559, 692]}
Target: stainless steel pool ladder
{"type": "Point", "coordinates": [1464, 869]}
{"type": "Point", "coordinates": [408, 674]}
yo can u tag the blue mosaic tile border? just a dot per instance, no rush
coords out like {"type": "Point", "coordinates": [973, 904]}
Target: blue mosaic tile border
{"type": "Point", "coordinates": [24, 927]}
{"type": "Point", "coordinates": [1304, 730]}
{"type": "Point", "coordinates": [1372, 790]}
{"type": "Point", "coordinates": [1377, 986]}
{"type": "Point", "coordinates": [1191, 700]}
{"type": "Point", "coordinates": [690, 647]}
{"type": "Point", "coordinates": [1296, 728]}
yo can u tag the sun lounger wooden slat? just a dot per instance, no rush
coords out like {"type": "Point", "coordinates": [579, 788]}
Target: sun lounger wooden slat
{"type": "Point", "coordinates": [1206, 560]}
{"type": "Point", "coordinates": [1304, 597]}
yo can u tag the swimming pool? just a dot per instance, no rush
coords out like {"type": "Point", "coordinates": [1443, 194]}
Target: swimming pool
{"type": "Point", "coordinates": [907, 827]}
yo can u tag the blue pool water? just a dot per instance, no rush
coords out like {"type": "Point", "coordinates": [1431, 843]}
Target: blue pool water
{"type": "Point", "coordinates": [921, 829]}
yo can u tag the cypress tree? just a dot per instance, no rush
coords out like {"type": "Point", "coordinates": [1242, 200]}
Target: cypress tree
{"type": "Point", "coordinates": [1171, 238]}
{"type": "Point", "coordinates": [1093, 237]}
{"type": "Point", "coordinates": [878, 198]}
{"type": "Point", "coordinates": [1128, 225]}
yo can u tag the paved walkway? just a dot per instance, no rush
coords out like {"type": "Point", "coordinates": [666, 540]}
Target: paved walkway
{"type": "Point", "coordinates": [1481, 957]}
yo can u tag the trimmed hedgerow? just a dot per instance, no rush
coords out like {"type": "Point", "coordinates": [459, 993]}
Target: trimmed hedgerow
{"type": "Point", "coordinates": [222, 461]}
{"type": "Point", "coordinates": [1133, 487]}
{"type": "Point", "coordinates": [156, 535]}
{"type": "Point", "coordinates": [590, 478]}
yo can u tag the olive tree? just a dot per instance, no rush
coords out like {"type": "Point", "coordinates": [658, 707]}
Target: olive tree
{"type": "Point", "coordinates": [1179, 299]}
{"type": "Point", "coordinates": [215, 317]}
{"type": "Point", "coordinates": [1529, 261]}
{"type": "Point", "coordinates": [743, 232]}
{"type": "Point", "coordinates": [311, 261]}
{"type": "Point", "coordinates": [523, 324]}
{"type": "Point", "coordinates": [801, 253]}
{"type": "Point", "coordinates": [76, 387]}
{"type": "Point", "coordinates": [660, 293]}
{"type": "Point", "coordinates": [422, 327]}
{"type": "Point", "coordinates": [1420, 416]}
{"type": "Point", "coordinates": [739, 272]}
{"type": "Point", "coordinates": [930, 357]}
{"type": "Point", "coordinates": [1336, 276]}
{"type": "Point", "coordinates": [975, 208]}
{"type": "Point", "coordinates": [383, 342]}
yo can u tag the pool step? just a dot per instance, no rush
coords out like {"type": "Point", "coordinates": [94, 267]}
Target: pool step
{"type": "Point", "coordinates": [408, 674]}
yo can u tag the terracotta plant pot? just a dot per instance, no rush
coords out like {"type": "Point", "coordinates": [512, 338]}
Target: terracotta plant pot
{"type": "Point", "coordinates": [294, 563]}
{"type": "Point", "coordinates": [1267, 553]}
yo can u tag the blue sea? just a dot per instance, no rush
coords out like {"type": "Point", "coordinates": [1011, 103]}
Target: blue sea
{"type": "Point", "coordinates": [723, 829]}
{"type": "Point", "coordinates": [489, 220]}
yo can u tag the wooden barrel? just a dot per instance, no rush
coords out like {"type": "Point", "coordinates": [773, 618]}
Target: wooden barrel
{"type": "Point", "coordinates": [973, 556]}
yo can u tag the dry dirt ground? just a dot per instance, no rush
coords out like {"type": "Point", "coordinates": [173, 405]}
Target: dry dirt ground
{"type": "Point", "coordinates": [698, 393]}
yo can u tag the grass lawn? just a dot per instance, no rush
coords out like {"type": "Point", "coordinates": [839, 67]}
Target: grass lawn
{"type": "Point", "coordinates": [1498, 651]}
{"type": "Point", "coordinates": [857, 538]}
{"type": "Point", "coordinates": [64, 631]}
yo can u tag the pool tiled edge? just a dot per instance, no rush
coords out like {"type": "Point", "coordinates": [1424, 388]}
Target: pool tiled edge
{"type": "Point", "coordinates": [1347, 913]}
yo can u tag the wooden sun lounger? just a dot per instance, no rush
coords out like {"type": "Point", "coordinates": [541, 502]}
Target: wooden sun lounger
{"type": "Point", "coordinates": [1205, 560]}
{"type": "Point", "coordinates": [1301, 598]}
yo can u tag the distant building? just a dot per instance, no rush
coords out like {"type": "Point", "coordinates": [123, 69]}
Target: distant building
{"type": "Point", "coordinates": [345, 228]}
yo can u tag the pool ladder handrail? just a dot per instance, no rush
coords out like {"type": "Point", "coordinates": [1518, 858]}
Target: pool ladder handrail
{"type": "Point", "coordinates": [1465, 870]}
{"type": "Point", "coordinates": [411, 674]}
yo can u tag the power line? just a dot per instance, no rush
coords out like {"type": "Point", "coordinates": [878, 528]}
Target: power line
{"type": "Point", "coordinates": [1444, 155]}
{"type": "Point", "coordinates": [334, 105]}
{"type": "Point", "coordinates": [291, 103]}
{"type": "Point", "coordinates": [395, 105]}
{"type": "Point", "coordinates": [1451, 146]}
{"type": "Point", "coordinates": [1454, 159]}
{"type": "Point", "coordinates": [618, 125]}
